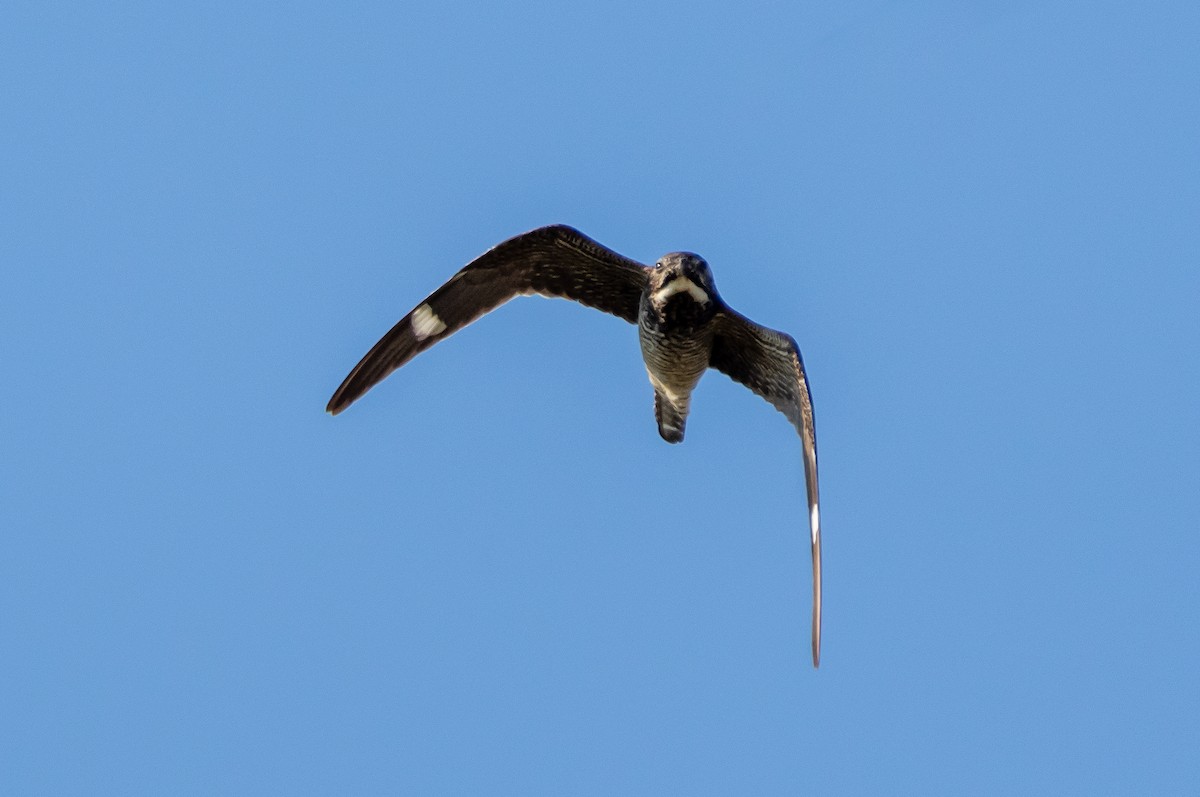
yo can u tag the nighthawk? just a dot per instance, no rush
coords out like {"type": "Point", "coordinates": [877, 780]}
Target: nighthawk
{"type": "Point", "coordinates": [684, 328]}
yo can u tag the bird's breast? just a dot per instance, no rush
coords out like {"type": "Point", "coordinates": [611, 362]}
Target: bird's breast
{"type": "Point", "coordinates": [676, 341]}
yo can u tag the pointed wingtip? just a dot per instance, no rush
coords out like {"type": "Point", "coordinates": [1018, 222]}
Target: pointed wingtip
{"type": "Point", "coordinates": [816, 630]}
{"type": "Point", "coordinates": [815, 520]}
{"type": "Point", "coordinates": [344, 396]}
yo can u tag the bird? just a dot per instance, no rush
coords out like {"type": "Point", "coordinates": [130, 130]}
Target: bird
{"type": "Point", "coordinates": [684, 328]}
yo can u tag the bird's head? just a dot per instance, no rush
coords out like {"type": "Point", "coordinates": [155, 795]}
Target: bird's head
{"type": "Point", "coordinates": [681, 272]}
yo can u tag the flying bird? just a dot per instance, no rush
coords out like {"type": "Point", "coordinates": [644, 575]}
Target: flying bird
{"type": "Point", "coordinates": [684, 328]}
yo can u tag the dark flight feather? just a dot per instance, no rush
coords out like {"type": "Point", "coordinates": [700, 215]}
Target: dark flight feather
{"type": "Point", "coordinates": [554, 261]}
{"type": "Point", "coordinates": [769, 363]}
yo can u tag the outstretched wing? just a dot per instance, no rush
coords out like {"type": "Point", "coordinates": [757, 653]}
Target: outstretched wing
{"type": "Point", "coordinates": [551, 261]}
{"type": "Point", "coordinates": [769, 363]}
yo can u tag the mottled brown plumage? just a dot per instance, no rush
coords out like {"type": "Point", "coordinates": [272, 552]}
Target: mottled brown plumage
{"type": "Point", "coordinates": [684, 328]}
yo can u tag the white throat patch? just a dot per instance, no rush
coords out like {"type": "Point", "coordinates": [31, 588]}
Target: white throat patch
{"type": "Point", "coordinates": [680, 285]}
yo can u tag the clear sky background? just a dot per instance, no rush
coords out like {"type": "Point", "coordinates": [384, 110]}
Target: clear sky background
{"type": "Point", "coordinates": [491, 575]}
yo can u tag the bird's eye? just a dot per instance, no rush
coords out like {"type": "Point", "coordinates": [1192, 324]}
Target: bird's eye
{"type": "Point", "coordinates": [658, 266]}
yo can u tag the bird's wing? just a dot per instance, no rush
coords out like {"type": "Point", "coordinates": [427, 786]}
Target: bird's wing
{"type": "Point", "coordinates": [769, 363]}
{"type": "Point", "coordinates": [551, 261]}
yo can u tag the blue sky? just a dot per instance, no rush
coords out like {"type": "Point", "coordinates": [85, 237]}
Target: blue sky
{"type": "Point", "coordinates": [491, 575]}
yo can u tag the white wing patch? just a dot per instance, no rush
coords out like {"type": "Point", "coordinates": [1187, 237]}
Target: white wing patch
{"type": "Point", "coordinates": [680, 285]}
{"type": "Point", "coordinates": [425, 322]}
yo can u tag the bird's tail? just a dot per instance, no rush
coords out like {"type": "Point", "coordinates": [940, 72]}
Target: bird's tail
{"type": "Point", "coordinates": [671, 418]}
